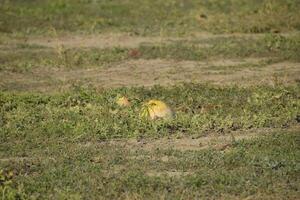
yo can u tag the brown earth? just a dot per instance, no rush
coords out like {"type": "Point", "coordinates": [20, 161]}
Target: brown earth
{"type": "Point", "coordinates": [127, 40]}
{"type": "Point", "coordinates": [151, 72]}
{"type": "Point", "coordinates": [141, 72]}
{"type": "Point", "coordinates": [214, 140]}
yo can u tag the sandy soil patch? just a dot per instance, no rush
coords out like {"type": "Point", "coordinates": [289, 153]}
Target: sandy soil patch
{"type": "Point", "coordinates": [153, 72]}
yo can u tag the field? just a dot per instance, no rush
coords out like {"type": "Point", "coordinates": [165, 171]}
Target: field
{"type": "Point", "coordinates": [229, 69]}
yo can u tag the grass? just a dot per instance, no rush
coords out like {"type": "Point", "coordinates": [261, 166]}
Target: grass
{"type": "Point", "coordinates": [88, 113]}
{"type": "Point", "coordinates": [23, 61]}
{"type": "Point", "coordinates": [285, 48]}
{"type": "Point", "coordinates": [225, 142]}
{"type": "Point", "coordinates": [148, 17]}
{"type": "Point", "coordinates": [58, 146]}
{"type": "Point", "coordinates": [261, 168]}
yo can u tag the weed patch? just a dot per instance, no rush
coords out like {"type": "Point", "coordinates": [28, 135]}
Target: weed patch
{"type": "Point", "coordinates": [84, 113]}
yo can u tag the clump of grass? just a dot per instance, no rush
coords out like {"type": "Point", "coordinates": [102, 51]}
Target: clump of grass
{"type": "Point", "coordinates": [7, 189]}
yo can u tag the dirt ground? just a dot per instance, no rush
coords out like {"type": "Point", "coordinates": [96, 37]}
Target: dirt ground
{"type": "Point", "coordinates": [110, 40]}
{"type": "Point", "coordinates": [151, 72]}
{"type": "Point", "coordinates": [142, 72]}
{"type": "Point", "coordinates": [221, 142]}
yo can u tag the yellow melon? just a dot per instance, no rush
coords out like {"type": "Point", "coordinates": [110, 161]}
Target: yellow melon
{"type": "Point", "coordinates": [154, 109]}
{"type": "Point", "coordinates": [123, 101]}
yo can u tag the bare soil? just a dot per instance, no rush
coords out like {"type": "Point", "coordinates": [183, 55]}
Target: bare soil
{"type": "Point", "coordinates": [214, 140]}
{"type": "Point", "coordinates": [152, 72]}
{"type": "Point", "coordinates": [141, 72]}
{"type": "Point", "coordinates": [109, 40]}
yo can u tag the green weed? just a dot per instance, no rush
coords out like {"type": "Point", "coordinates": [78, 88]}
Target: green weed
{"type": "Point", "coordinates": [148, 17]}
{"type": "Point", "coordinates": [88, 113]}
{"type": "Point", "coordinates": [265, 167]}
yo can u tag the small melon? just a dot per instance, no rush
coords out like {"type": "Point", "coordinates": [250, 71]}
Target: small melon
{"type": "Point", "coordinates": [123, 101]}
{"type": "Point", "coordinates": [154, 109]}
